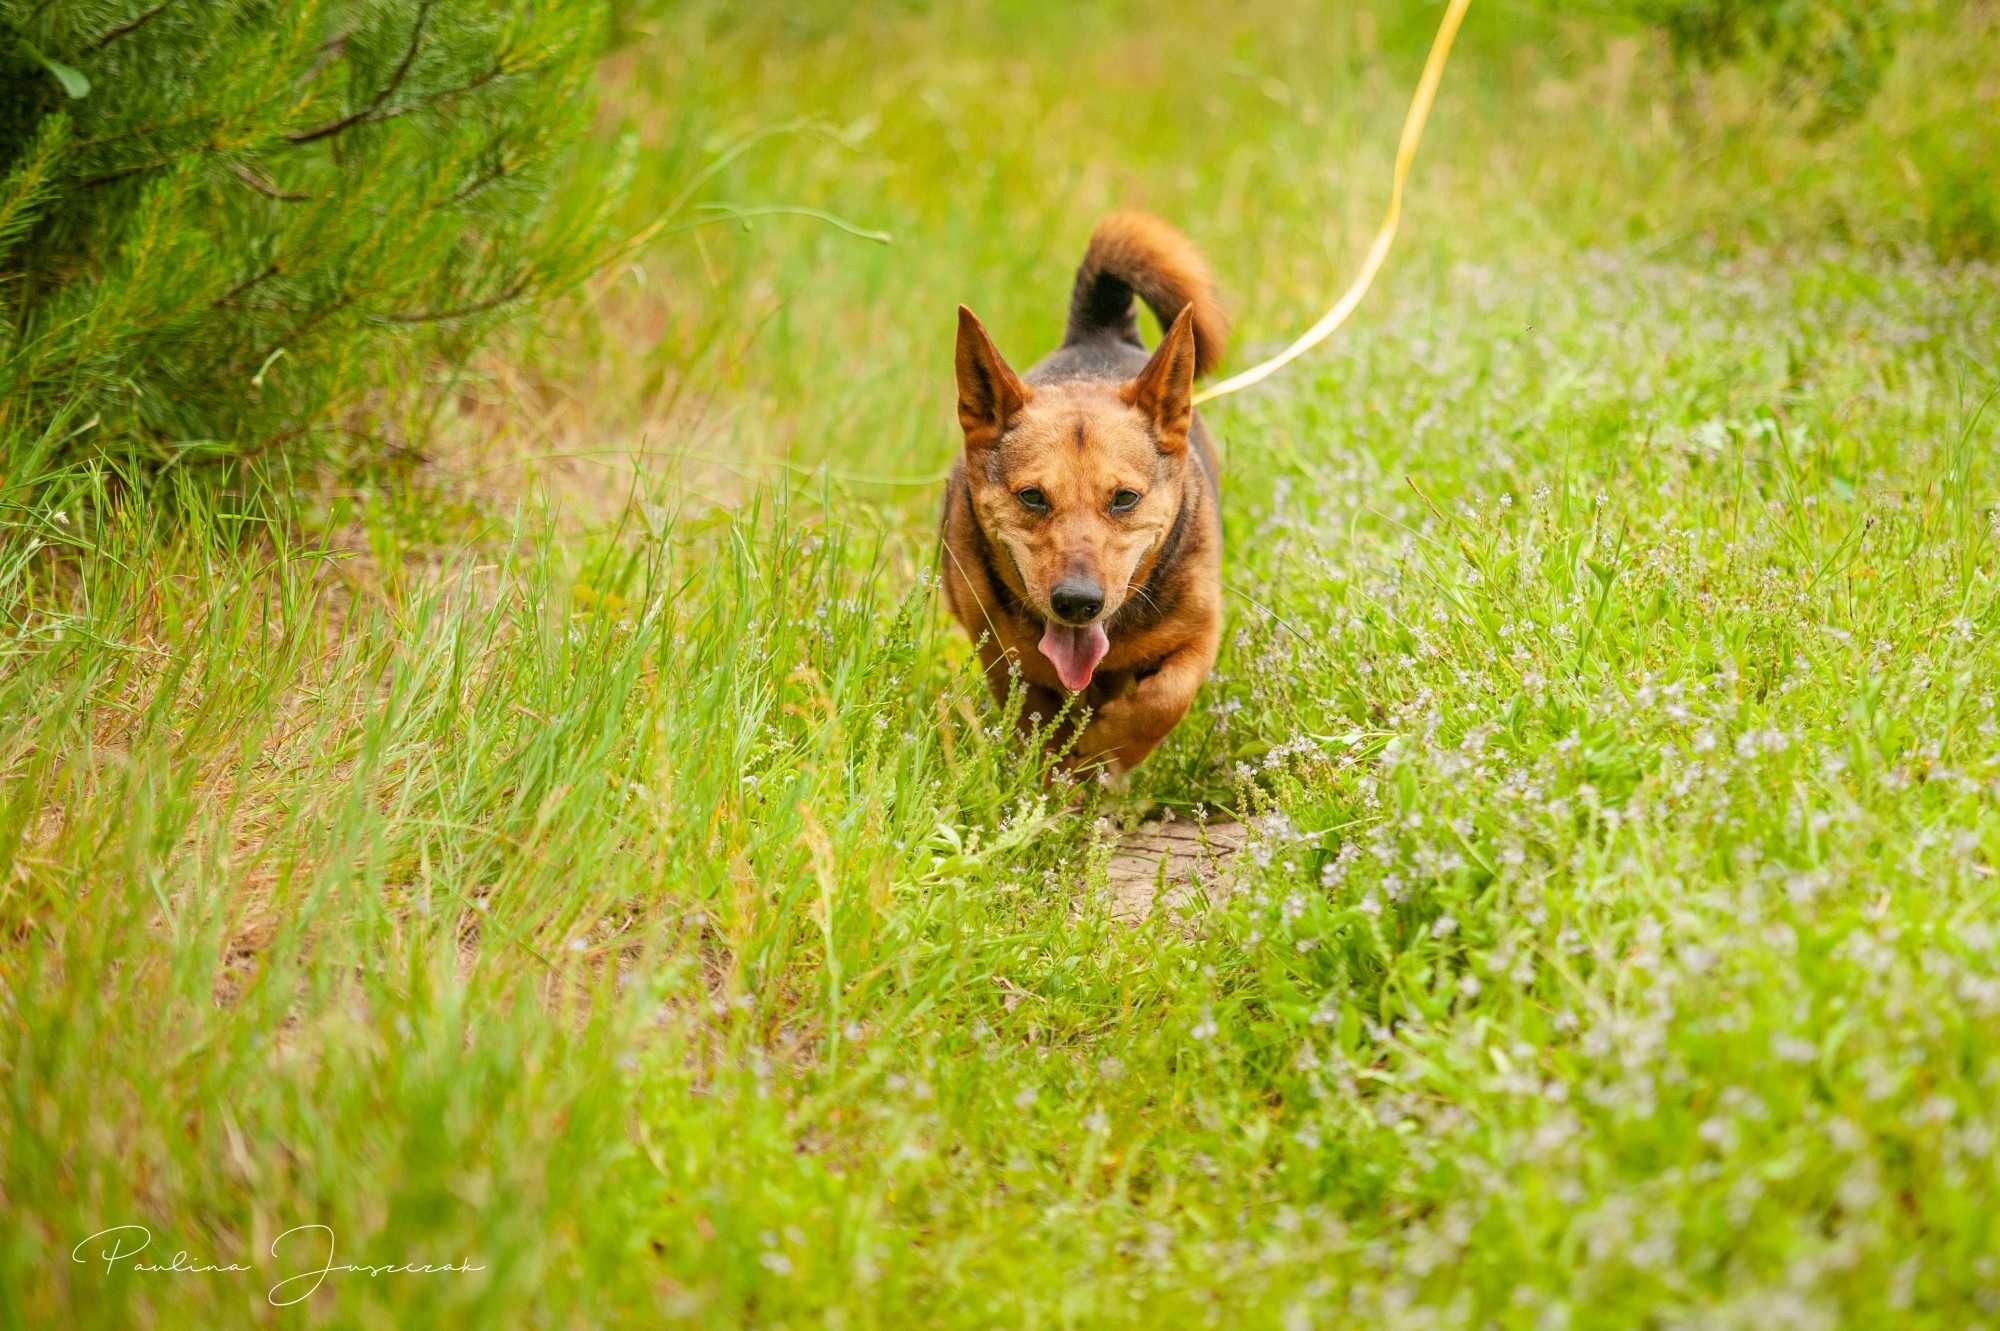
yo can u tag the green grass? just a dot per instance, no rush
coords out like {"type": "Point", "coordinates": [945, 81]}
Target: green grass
{"type": "Point", "coordinates": [585, 852]}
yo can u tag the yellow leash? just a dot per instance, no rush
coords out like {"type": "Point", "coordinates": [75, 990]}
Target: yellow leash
{"type": "Point", "coordinates": [1406, 152]}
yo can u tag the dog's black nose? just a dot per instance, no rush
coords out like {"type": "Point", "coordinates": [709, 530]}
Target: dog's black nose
{"type": "Point", "coordinates": [1076, 601]}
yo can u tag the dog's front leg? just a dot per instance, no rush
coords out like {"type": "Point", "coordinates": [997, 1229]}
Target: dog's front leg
{"type": "Point", "coordinates": [1127, 728]}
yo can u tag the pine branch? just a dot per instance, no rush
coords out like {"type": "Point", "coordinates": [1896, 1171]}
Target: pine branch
{"type": "Point", "coordinates": [229, 297]}
{"type": "Point", "coordinates": [156, 293]}
{"type": "Point", "coordinates": [496, 172]}
{"type": "Point", "coordinates": [266, 187]}
{"type": "Point", "coordinates": [127, 172]}
{"type": "Point", "coordinates": [472, 84]}
{"type": "Point", "coordinates": [387, 90]}
{"type": "Point", "coordinates": [512, 293]}
{"type": "Point", "coordinates": [330, 50]}
{"type": "Point", "coordinates": [128, 27]}
{"type": "Point", "coordinates": [429, 99]}
{"type": "Point", "coordinates": [318, 317]}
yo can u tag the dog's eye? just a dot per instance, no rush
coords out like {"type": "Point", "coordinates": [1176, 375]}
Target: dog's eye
{"type": "Point", "coordinates": [1033, 500]}
{"type": "Point", "coordinates": [1125, 501]}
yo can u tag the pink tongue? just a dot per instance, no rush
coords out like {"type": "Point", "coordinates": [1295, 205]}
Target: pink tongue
{"type": "Point", "coordinates": [1075, 652]}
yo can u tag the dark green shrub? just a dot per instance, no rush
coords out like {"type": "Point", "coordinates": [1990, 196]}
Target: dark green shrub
{"type": "Point", "coordinates": [1827, 54]}
{"type": "Point", "coordinates": [1954, 158]}
{"type": "Point", "coordinates": [220, 218]}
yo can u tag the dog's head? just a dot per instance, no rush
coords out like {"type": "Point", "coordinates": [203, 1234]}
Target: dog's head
{"type": "Point", "coordinates": [1077, 483]}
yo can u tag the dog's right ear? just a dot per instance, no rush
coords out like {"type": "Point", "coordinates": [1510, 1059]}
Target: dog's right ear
{"type": "Point", "coordinates": [989, 393]}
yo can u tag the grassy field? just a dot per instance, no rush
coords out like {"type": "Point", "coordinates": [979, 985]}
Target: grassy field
{"type": "Point", "coordinates": [578, 848]}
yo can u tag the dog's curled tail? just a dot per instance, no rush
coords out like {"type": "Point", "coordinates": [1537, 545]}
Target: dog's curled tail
{"type": "Point", "coordinates": [1138, 253]}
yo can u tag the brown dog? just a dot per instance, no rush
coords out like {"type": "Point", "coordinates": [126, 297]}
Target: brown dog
{"type": "Point", "coordinates": [1083, 542]}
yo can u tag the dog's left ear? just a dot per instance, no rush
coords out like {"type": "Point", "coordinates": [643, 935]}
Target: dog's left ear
{"type": "Point", "coordinates": [1164, 390]}
{"type": "Point", "coordinates": [989, 392]}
